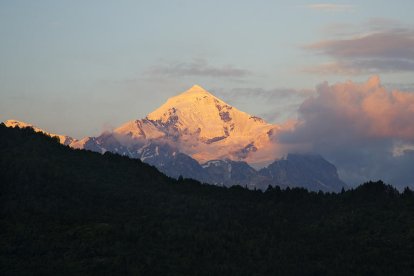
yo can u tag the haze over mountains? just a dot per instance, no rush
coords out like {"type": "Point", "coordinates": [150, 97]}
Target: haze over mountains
{"type": "Point", "coordinates": [197, 135]}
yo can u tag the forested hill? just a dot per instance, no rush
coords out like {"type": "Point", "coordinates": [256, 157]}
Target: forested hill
{"type": "Point", "coordinates": [73, 212]}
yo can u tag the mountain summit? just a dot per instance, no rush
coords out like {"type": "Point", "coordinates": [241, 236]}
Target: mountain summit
{"type": "Point", "coordinates": [195, 123]}
{"type": "Point", "coordinates": [203, 126]}
{"type": "Point", "coordinates": [197, 135]}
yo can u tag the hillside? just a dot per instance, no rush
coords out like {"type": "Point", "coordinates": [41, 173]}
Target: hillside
{"type": "Point", "coordinates": [75, 212]}
{"type": "Point", "coordinates": [307, 171]}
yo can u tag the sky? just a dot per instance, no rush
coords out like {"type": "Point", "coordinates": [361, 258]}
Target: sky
{"type": "Point", "coordinates": [83, 67]}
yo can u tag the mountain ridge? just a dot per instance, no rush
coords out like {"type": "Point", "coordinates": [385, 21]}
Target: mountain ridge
{"type": "Point", "coordinates": [197, 135]}
{"type": "Point", "coordinates": [305, 170]}
{"type": "Point", "coordinates": [63, 139]}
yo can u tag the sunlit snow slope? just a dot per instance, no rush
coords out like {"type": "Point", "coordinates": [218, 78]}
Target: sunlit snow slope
{"type": "Point", "coordinates": [201, 125]}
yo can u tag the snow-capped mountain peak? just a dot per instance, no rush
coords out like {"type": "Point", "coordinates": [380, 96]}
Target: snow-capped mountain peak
{"type": "Point", "coordinates": [203, 126]}
{"type": "Point", "coordinates": [195, 127]}
{"type": "Point", "coordinates": [187, 103]}
{"type": "Point", "coordinates": [195, 123]}
{"type": "Point", "coordinates": [196, 89]}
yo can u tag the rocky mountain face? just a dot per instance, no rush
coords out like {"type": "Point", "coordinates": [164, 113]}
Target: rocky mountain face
{"type": "Point", "coordinates": [309, 171]}
{"type": "Point", "coordinates": [302, 170]}
{"type": "Point", "coordinates": [173, 163]}
{"type": "Point", "coordinates": [228, 173]}
{"type": "Point", "coordinates": [196, 135]}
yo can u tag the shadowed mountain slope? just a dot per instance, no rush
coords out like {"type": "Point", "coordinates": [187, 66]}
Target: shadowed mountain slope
{"type": "Point", "coordinates": [72, 212]}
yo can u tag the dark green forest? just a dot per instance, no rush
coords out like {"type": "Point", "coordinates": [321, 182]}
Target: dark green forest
{"type": "Point", "coordinates": [75, 212]}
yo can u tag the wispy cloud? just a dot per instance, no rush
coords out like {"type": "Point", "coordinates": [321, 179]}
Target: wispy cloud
{"type": "Point", "coordinates": [271, 94]}
{"type": "Point", "coordinates": [364, 66]}
{"type": "Point", "coordinates": [329, 7]}
{"type": "Point", "coordinates": [198, 67]}
{"type": "Point", "coordinates": [276, 105]}
{"type": "Point", "coordinates": [387, 50]}
{"type": "Point", "coordinates": [369, 26]}
{"type": "Point", "coordinates": [385, 44]}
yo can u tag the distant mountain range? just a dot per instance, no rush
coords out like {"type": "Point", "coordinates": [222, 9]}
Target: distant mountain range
{"type": "Point", "coordinates": [196, 135]}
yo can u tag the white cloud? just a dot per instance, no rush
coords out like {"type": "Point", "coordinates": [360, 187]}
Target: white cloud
{"type": "Point", "coordinates": [198, 67]}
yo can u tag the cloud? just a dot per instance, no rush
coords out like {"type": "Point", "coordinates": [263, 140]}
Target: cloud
{"type": "Point", "coordinates": [198, 67]}
{"type": "Point", "coordinates": [400, 86]}
{"type": "Point", "coordinates": [368, 108]}
{"type": "Point", "coordinates": [328, 7]}
{"type": "Point", "coordinates": [363, 66]}
{"type": "Point", "coordinates": [382, 23]}
{"type": "Point", "coordinates": [271, 94]}
{"type": "Point", "coordinates": [273, 105]}
{"type": "Point", "coordinates": [383, 50]}
{"type": "Point", "coordinates": [369, 26]}
{"type": "Point", "coordinates": [359, 127]}
{"type": "Point", "coordinates": [387, 44]}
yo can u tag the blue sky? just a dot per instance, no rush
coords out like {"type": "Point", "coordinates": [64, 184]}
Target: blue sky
{"type": "Point", "coordinates": [80, 67]}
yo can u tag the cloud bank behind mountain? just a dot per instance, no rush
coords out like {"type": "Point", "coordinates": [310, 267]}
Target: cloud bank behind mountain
{"type": "Point", "coordinates": [363, 128]}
